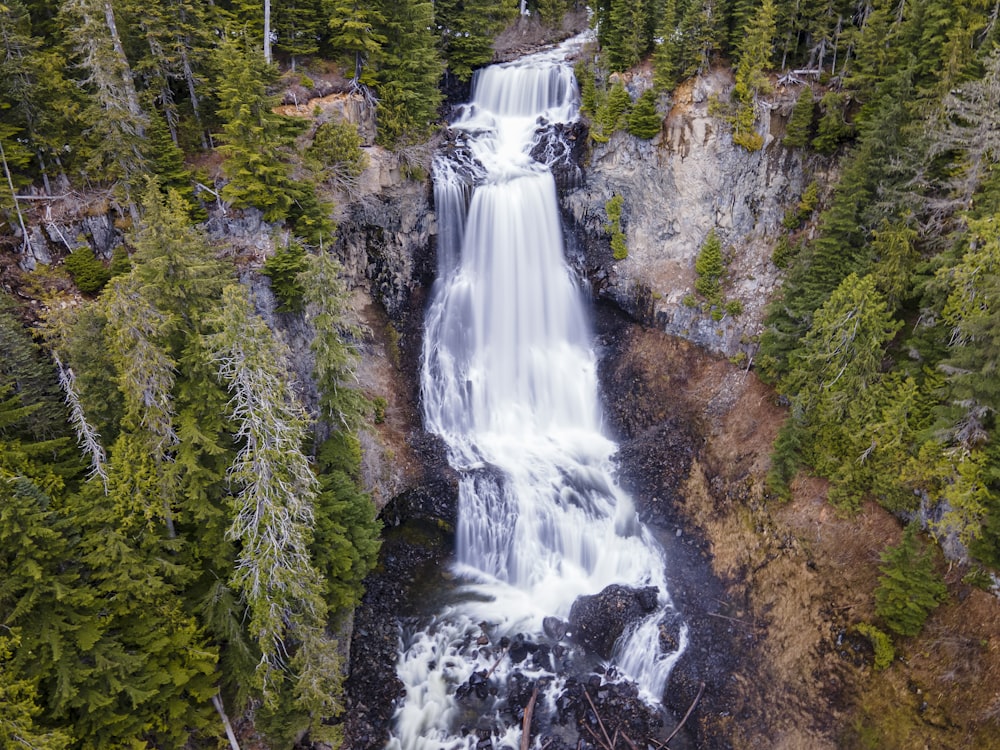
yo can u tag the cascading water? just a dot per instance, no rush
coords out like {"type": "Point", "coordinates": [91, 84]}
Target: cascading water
{"type": "Point", "coordinates": [510, 383]}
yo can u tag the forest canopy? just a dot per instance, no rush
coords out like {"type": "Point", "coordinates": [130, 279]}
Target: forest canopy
{"type": "Point", "coordinates": [180, 536]}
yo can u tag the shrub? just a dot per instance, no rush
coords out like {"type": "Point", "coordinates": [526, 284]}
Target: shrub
{"type": "Point", "coordinates": [885, 652]}
{"type": "Point", "coordinates": [283, 269]}
{"type": "Point", "coordinates": [88, 273]}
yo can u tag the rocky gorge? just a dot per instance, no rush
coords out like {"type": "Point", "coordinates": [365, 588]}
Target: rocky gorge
{"type": "Point", "coordinates": [771, 591]}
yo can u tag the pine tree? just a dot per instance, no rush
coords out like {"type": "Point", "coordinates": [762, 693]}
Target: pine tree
{"type": "Point", "coordinates": [337, 155]}
{"type": "Point", "coordinates": [972, 313]}
{"type": "Point", "coordinates": [467, 29]}
{"type": "Point", "coordinates": [909, 589]}
{"type": "Point", "coordinates": [699, 37]}
{"type": "Point", "coordinates": [710, 268]}
{"type": "Point", "coordinates": [832, 128]}
{"type": "Point", "coordinates": [627, 41]}
{"type": "Point", "coordinates": [841, 354]}
{"type": "Point", "coordinates": [666, 69]}
{"type": "Point", "coordinates": [297, 25]}
{"type": "Point", "coordinates": [751, 80]}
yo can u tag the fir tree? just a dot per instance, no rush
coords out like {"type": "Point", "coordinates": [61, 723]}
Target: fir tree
{"type": "Point", "coordinates": [408, 74]}
{"type": "Point", "coordinates": [644, 121]}
{"type": "Point", "coordinates": [751, 80]}
{"type": "Point", "coordinates": [710, 268]}
{"type": "Point", "coordinates": [832, 129]}
{"type": "Point", "coordinates": [467, 29]}
{"type": "Point", "coordinates": [354, 31]}
{"type": "Point", "coordinates": [273, 512]}
{"type": "Point", "coordinates": [666, 56]}
{"type": "Point", "coordinates": [909, 589]}
{"type": "Point", "coordinates": [627, 40]}
{"type": "Point", "coordinates": [255, 139]}
{"type": "Point", "coordinates": [798, 132]}
{"type": "Point", "coordinates": [297, 25]}
{"type": "Point", "coordinates": [116, 116]}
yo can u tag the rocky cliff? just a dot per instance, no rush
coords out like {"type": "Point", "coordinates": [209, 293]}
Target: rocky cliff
{"type": "Point", "coordinates": [677, 187]}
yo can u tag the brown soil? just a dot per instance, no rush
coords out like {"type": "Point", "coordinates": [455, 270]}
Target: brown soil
{"type": "Point", "coordinates": [799, 576]}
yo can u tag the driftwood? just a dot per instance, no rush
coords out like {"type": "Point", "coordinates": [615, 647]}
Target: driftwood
{"type": "Point", "coordinates": [526, 724]}
{"type": "Point", "coordinates": [701, 689]}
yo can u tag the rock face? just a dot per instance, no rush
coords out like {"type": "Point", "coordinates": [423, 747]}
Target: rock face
{"type": "Point", "coordinates": [597, 621]}
{"type": "Point", "coordinates": [677, 187]}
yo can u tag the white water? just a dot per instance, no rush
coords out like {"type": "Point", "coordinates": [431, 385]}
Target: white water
{"type": "Point", "coordinates": [510, 383]}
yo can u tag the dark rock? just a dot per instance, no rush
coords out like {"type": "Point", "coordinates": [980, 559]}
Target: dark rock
{"type": "Point", "coordinates": [554, 628]}
{"type": "Point", "coordinates": [597, 621]}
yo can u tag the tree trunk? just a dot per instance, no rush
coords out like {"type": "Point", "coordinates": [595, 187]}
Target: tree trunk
{"type": "Point", "coordinates": [13, 195]}
{"type": "Point", "coordinates": [267, 31]}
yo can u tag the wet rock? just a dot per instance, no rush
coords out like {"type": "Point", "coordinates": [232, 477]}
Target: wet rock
{"type": "Point", "coordinates": [554, 628]}
{"type": "Point", "coordinates": [597, 621]}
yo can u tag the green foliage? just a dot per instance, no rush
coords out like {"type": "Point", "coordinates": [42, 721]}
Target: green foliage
{"type": "Point", "coordinates": [804, 209]}
{"type": "Point", "coordinates": [467, 29]}
{"type": "Point", "coordinates": [799, 130]}
{"type": "Point", "coordinates": [627, 35]}
{"type": "Point", "coordinates": [255, 140]}
{"type": "Point", "coordinates": [885, 652]}
{"type": "Point", "coordinates": [832, 129]}
{"type": "Point", "coordinates": [644, 121]}
{"type": "Point", "coordinates": [283, 269]}
{"type": "Point", "coordinates": [751, 80]}
{"type": "Point", "coordinates": [121, 264]}
{"type": "Point", "coordinates": [88, 273]}
{"type": "Point", "coordinates": [710, 269]}
{"type": "Point", "coordinates": [784, 251]}
{"type": "Point", "coordinates": [909, 589]}
{"type": "Point", "coordinates": [408, 75]}
{"type": "Point", "coordinates": [588, 90]}
{"type": "Point", "coordinates": [613, 208]}
{"type": "Point", "coordinates": [612, 113]}
{"type": "Point", "coordinates": [733, 307]}
{"type": "Point", "coordinates": [336, 149]}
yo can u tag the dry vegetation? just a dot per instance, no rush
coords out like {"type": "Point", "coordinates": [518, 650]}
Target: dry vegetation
{"type": "Point", "coordinates": [800, 576]}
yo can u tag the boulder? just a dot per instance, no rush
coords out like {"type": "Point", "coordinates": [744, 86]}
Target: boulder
{"type": "Point", "coordinates": [597, 621]}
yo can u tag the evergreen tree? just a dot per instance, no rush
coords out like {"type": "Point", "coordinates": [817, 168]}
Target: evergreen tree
{"type": "Point", "coordinates": [627, 40]}
{"type": "Point", "coordinates": [255, 139]}
{"type": "Point", "coordinates": [116, 116]}
{"type": "Point", "coordinates": [972, 315]}
{"type": "Point", "coordinates": [337, 155]}
{"type": "Point", "coordinates": [832, 128]}
{"type": "Point", "coordinates": [698, 37]}
{"type": "Point", "coordinates": [408, 74]}
{"type": "Point", "coordinates": [273, 512]}
{"type": "Point", "coordinates": [666, 56]}
{"type": "Point", "coordinates": [644, 121]}
{"type": "Point", "coordinates": [799, 128]}
{"type": "Point", "coordinates": [710, 268]}
{"type": "Point", "coordinates": [751, 80]}
{"type": "Point", "coordinates": [467, 29]}
{"type": "Point", "coordinates": [355, 31]}
{"type": "Point", "coordinates": [909, 589]}
{"type": "Point", "coordinates": [297, 26]}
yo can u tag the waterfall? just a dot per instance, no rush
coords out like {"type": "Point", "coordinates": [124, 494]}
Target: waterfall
{"type": "Point", "coordinates": [509, 381]}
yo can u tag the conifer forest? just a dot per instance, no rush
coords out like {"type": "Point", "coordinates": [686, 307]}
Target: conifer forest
{"type": "Point", "coordinates": [184, 527]}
